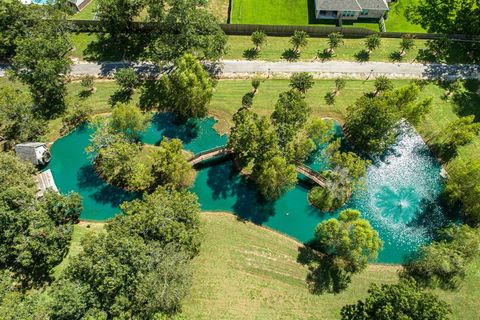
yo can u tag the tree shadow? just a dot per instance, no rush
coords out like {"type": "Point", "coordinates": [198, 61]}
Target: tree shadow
{"type": "Point", "coordinates": [325, 55]}
{"type": "Point", "coordinates": [396, 56]}
{"type": "Point", "coordinates": [362, 56]}
{"type": "Point", "coordinates": [150, 95]}
{"type": "Point", "coordinates": [113, 196]}
{"type": "Point", "coordinates": [432, 215]}
{"type": "Point", "coordinates": [123, 47]}
{"type": "Point", "coordinates": [84, 94]}
{"type": "Point", "coordinates": [169, 125]}
{"type": "Point", "coordinates": [250, 54]}
{"type": "Point", "coordinates": [87, 178]}
{"type": "Point", "coordinates": [290, 55]}
{"type": "Point", "coordinates": [123, 96]}
{"type": "Point", "coordinates": [325, 274]}
{"type": "Point", "coordinates": [468, 102]}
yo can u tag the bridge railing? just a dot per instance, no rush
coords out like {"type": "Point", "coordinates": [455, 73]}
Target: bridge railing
{"type": "Point", "coordinates": [201, 154]}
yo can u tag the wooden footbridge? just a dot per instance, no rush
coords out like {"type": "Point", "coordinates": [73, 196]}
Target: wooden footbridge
{"type": "Point", "coordinates": [311, 174]}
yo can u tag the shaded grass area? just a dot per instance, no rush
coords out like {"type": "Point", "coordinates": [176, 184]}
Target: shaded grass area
{"type": "Point", "coordinates": [397, 22]}
{"type": "Point", "coordinates": [276, 46]}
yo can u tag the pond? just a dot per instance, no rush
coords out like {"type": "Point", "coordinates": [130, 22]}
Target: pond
{"type": "Point", "coordinates": [399, 197]}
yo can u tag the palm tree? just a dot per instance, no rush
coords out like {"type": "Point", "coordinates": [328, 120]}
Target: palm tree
{"type": "Point", "coordinates": [299, 39]}
{"type": "Point", "coordinates": [382, 84]}
{"type": "Point", "coordinates": [372, 42]}
{"type": "Point", "coordinates": [339, 85]}
{"type": "Point", "coordinates": [258, 38]}
{"type": "Point", "coordinates": [335, 39]}
{"type": "Point", "coordinates": [407, 43]}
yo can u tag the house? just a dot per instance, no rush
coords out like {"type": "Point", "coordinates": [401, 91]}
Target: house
{"type": "Point", "coordinates": [350, 9]}
{"type": "Point", "coordinates": [36, 153]}
{"type": "Point", "coordinates": [79, 4]}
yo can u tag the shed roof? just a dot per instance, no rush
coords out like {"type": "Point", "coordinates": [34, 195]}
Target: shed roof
{"type": "Point", "coordinates": [30, 144]}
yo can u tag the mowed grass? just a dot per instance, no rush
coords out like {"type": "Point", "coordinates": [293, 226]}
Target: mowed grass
{"type": "Point", "coordinates": [87, 13]}
{"type": "Point", "coordinates": [238, 47]}
{"type": "Point", "coordinates": [397, 22]}
{"type": "Point", "coordinates": [279, 12]}
{"type": "Point", "coordinates": [245, 271]}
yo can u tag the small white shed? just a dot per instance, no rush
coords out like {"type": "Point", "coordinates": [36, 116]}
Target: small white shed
{"type": "Point", "coordinates": [36, 153]}
{"type": "Point", "coordinates": [45, 182]}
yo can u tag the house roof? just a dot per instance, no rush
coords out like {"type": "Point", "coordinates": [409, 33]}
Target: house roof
{"type": "Point", "coordinates": [77, 2]}
{"type": "Point", "coordinates": [338, 5]}
{"type": "Point", "coordinates": [373, 4]}
{"type": "Point", "coordinates": [351, 5]}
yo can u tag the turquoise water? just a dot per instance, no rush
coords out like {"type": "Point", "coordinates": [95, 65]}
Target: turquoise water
{"type": "Point", "coordinates": [399, 198]}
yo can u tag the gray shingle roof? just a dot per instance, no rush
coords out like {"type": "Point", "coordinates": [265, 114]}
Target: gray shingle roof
{"type": "Point", "coordinates": [351, 5]}
{"type": "Point", "coordinates": [373, 4]}
{"type": "Point", "coordinates": [337, 5]}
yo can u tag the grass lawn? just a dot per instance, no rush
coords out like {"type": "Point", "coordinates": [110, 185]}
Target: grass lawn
{"type": "Point", "coordinates": [397, 22]}
{"type": "Point", "coordinates": [248, 272]}
{"type": "Point", "coordinates": [274, 48]}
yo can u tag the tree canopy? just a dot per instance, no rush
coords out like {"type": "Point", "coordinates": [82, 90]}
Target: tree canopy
{"type": "Point", "coordinates": [402, 301]}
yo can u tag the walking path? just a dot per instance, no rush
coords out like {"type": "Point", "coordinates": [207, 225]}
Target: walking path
{"type": "Point", "coordinates": [331, 69]}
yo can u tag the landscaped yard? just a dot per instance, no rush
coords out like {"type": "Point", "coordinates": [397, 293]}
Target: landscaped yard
{"type": "Point", "coordinates": [247, 272]}
{"type": "Point", "coordinates": [397, 22]}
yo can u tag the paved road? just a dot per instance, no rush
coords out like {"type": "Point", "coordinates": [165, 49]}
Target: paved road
{"type": "Point", "coordinates": [331, 69]}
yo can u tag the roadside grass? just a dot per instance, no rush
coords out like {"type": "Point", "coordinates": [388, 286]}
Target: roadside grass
{"type": "Point", "coordinates": [245, 271]}
{"type": "Point", "coordinates": [275, 46]}
{"type": "Point", "coordinates": [397, 22]}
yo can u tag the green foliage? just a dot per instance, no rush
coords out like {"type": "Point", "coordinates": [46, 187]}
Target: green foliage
{"type": "Point", "coordinates": [290, 115]}
{"type": "Point", "coordinates": [256, 84]}
{"type": "Point", "coordinates": [275, 176]}
{"type": "Point", "coordinates": [35, 233]}
{"type": "Point", "coordinates": [372, 42]}
{"type": "Point", "coordinates": [458, 133]}
{"type": "Point", "coordinates": [18, 123]}
{"type": "Point", "coordinates": [127, 79]}
{"type": "Point", "coordinates": [444, 262]}
{"type": "Point", "coordinates": [128, 120]}
{"type": "Point", "coordinates": [334, 39]}
{"type": "Point", "coordinates": [247, 100]}
{"type": "Point", "coordinates": [370, 124]}
{"type": "Point", "coordinates": [299, 40]}
{"type": "Point", "coordinates": [76, 115]}
{"type": "Point", "coordinates": [301, 81]}
{"type": "Point", "coordinates": [189, 89]}
{"type": "Point", "coordinates": [324, 198]}
{"type": "Point", "coordinates": [42, 62]}
{"type": "Point", "coordinates": [349, 238]}
{"type": "Point", "coordinates": [25, 306]}
{"type": "Point", "coordinates": [463, 189]}
{"type": "Point", "coordinates": [330, 98]}
{"type": "Point", "coordinates": [407, 43]}
{"type": "Point", "coordinates": [402, 301]}
{"type": "Point", "coordinates": [404, 99]}
{"type": "Point", "coordinates": [117, 15]}
{"type": "Point", "coordinates": [340, 84]}
{"type": "Point", "coordinates": [320, 130]}
{"type": "Point", "coordinates": [88, 82]}
{"type": "Point", "coordinates": [15, 21]}
{"type": "Point", "coordinates": [170, 166]}
{"type": "Point", "coordinates": [184, 26]}
{"type": "Point", "coordinates": [164, 217]}
{"type": "Point", "coordinates": [382, 84]}
{"type": "Point", "coordinates": [258, 38]}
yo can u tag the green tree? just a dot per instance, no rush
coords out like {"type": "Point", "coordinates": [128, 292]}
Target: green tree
{"type": "Point", "coordinates": [458, 133]}
{"type": "Point", "coordinates": [349, 238]}
{"type": "Point", "coordinates": [290, 115]}
{"type": "Point", "coordinates": [17, 120]}
{"type": "Point", "coordinates": [184, 26]}
{"type": "Point", "coordinates": [15, 21]}
{"type": "Point", "coordinates": [243, 139]}
{"type": "Point", "coordinates": [42, 62]}
{"type": "Point", "coordinates": [339, 85]}
{"type": "Point", "coordinates": [128, 120]}
{"type": "Point", "coordinates": [382, 84]}
{"type": "Point", "coordinates": [189, 88]}
{"type": "Point", "coordinates": [443, 263]}
{"type": "Point", "coordinates": [299, 40]}
{"type": "Point", "coordinates": [275, 176]}
{"type": "Point", "coordinates": [402, 301]}
{"type": "Point", "coordinates": [247, 100]}
{"type": "Point", "coordinates": [320, 130]}
{"type": "Point", "coordinates": [117, 16]}
{"type": "Point", "coordinates": [127, 79]}
{"type": "Point", "coordinates": [407, 43]}
{"type": "Point", "coordinates": [334, 39]}
{"type": "Point", "coordinates": [258, 38]}
{"type": "Point", "coordinates": [404, 102]}
{"type": "Point", "coordinates": [170, 166]}
{"type": "Point", "coordinates": [372, 42]}
{"type": "Point", "coordinates": [164, 217]}
{"type": "Point", "coordinates": [301, 81]}
{"type": "Point", "coordinates": [255, 84]}
{"type": "Point", "coordinates": [34, 236]}
{"type": "Point", "coordinates": [463, 189]}
{"type": "Point", "coordinates": [370, 124]}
